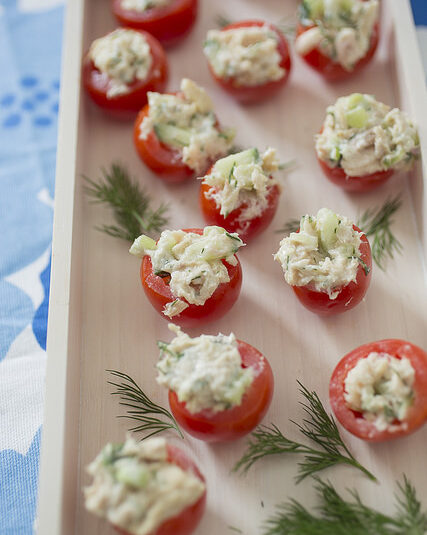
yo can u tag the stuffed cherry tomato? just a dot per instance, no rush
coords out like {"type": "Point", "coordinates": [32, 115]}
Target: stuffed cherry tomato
{"type": "Point", "coordinates": [363, 141]}
{"type": "Point", "coordinates": [239, 193]}
{"type": "Point", "coordinates": [327, 262]}
{"type": "Point", "coordinates": [339, 37]}
{"type": "Point", "coordinates": [219, 387]}
{"type": "Point", "coordinates": [121, 67]}
{"type": "Point", "coordinates": [191, 276]}
{"type": "Point", "coordinates": [249, 59]}
{"type": "Point", "coordinates": [146, 487]}
{"type": "Point", "coordinates": [168, 20]}
{"type": "Point", "coordinates": [178, 136]}
{"type": "Point", "coordinates": [379, 390]}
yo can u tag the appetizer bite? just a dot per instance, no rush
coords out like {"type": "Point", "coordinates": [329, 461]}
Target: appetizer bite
{"type": "Point", "coordinates": [178, 135]}
{"type": "Point", "coordinates": [239, 193]}
{"type": "Point", "coordinates": [191, 276]}
{"type": "Point", "coordinates": [327, 262]}
{"type": "Point", "coordinates": [168, 20]}
{"type": "Point", "coordinates": [249, 59]}
{"type": "Point", "coordinates": [219, 388]}
{"type": "Point", "coordinates": [121, 67]}
{"type": "Point", "coordinates": [146, 488]}
{"type": "Point", "coordinates": [363, 141]}
{"type": "Point", "coordinates": [337, 37]}
{"type": "Point", "coordinates": [378, 391]}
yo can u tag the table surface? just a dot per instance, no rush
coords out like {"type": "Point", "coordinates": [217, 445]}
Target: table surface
{"type": "Point", "coordinates": [30, 51]}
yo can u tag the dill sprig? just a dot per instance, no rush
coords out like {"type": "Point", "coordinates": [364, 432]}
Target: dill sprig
{"type": "Point", "coordinates": [285, 25]}
{"type": "Point", "coordinates": [151, 417]}
{"type": "Point", "coordinates": [338, 516]}
{"type": "Point", "coordinates": [376, 223]}
{"type": "Point", "coordinates": [318, 426]}
{"type": "Point", "coordinates": [130, 203]}
{"type": "Point", "coordinates": [292, 225]}
{"type": "Point", "coordinates": [222, 20]}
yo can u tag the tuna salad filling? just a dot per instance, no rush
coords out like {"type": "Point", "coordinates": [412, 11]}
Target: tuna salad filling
{"type": "Point", "coordinates": [192, 263]}
{"type": "Point", "coordinates": [136, 488]}
{"type": "Point", "coordinates": [205, 372]}
{"type": "Point", "coordinates": [247, 55]}
{"type": "Point", "coordinates": [364, 136]}
{"type": "Point", "coordinates": [324, 254]}
{"type": "Point", "coordinates": [187, 122]}
{"type": "Point", "coordinates": [380, 386]}
{"type": "Point", "coordinates": [124, 56]}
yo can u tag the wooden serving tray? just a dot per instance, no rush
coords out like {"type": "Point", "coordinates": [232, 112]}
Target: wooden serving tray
{"type": "Point", "coordinates": [99, 317]}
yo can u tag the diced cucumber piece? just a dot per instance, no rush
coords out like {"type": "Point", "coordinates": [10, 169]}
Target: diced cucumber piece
{"type": "Point", "coordinates": [357, 117]}
{"type": "Point", "coordinates": [172, 135]}
{"type": "Point", "coordinates": [132, 474]}
{"type": "Point", "coordinates": [346, 5]}
{"type": "Point", "coordinates": [225, 165]}
{"type": "Point", "coordinates": [315, 8]}
{"type": "Point", "coordinates": [141, 244]}
{"type": "Point", "coordinates": [394, 157]}
{"type": "Point", "coordinates": [328, 223]}
{"type": "Point", "coordinates": [354, 100]}
{"type": "Point", "coordinates": [335, 154]}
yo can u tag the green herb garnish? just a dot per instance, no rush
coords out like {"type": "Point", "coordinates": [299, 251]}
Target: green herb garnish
{"type": "Point", "coordinates": [318, 426]}
{"type": "Point", "coordinates": [130, 203]}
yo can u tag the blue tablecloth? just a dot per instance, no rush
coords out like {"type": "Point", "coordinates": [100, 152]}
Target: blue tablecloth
{"type": "Point", "coordinates": [30, 49]}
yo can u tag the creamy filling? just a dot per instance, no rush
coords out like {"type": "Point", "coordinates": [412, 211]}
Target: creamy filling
{"type": "Point", "coordinates": [136, 488]}
{"type": "Point", "coordinates": [325, 253]}
{"type": "Point", "coordinates": [194, 263]}
{"type": "Point", "coordinates": [364, 136]}
{"type": "Point", "coordinates": [144, 5]}
{"type": "Point", "coordinates": [380, 386]}
{"type": "Point", "coordinates": [205, 372]}
{"type": "Point", "coordinates": [249, 55]}
{"type": "Point", "coordinates": [124, 56]}
{"type": "Point", "coordinates": [342, 29]}
{"type": "Point", "coordinates": [191, 113]}
{"type": "Point", "coordinates": [246, 184]}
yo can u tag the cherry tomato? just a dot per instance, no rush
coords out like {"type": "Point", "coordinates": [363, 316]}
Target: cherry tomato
{"type": "Point", "coordinates": [231, 223]}
{"type": "Point", "coordinates": [128, 104]}
{"type": "Point", "coordinates": [236, 422]}
{"type": "Point", "coordinates": [169, 24]}
{"type": "Point", "coordinates": [332, 70]}
{"type": "Point", "coordinates": [187, 520]}
{"type": "Point", "coordinates": [354, 421]}
{"type": "Point", "coordinates": [257, 93]}
{"type": "Point", "coordinates": [159, 294]}
{"type": "Point", "coordinates": [349, 296]}
{"type": "Point", "coordinates": [164, 160]}
{"type": "Point", "coordinates": [354, 184]}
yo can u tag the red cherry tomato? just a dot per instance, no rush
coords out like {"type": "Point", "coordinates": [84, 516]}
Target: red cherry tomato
{"type": "Point", "coordinates": [162, 159]}
{"type": "Point", "coordinates": [127, 104]}
{"type": "Point", "coordinates": [169, 24]}
{"type": "Point", "coordinates": [159, 294]}
{"type": "Point", "coordinates": [349, 296]}
{"type": "Point", "coordinates": [231, 223]}
{"type": "Point", "coordinates": [354, 184]}
{"type": "Point", "coordinates": [354, 421]}
{"type": "Point", "coordinates": [332, 70]}
{"type": "Point", "coordinates": [256, 93]}
{"type": "Point", "coordinates": [236, 422]}
{"type": "Point", "coordinates": [187, 520]}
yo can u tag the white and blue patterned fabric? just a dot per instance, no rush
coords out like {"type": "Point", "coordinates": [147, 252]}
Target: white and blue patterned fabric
{"type": "Point", "coordinates": [30, 51]}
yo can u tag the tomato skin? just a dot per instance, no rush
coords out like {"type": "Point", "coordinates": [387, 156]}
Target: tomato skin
{"type": "Point", "coordinates": [331, 70]}
{"type": "Point", "coordinates": [234, 423]}
{"type": "Point", "coordinates": [187, 520]}
{"type": "Point", "coordinates": [349, 296]}
{"type": "Point", "coordinates": [354, 421]}
{"type": "Point", "coordinates": [255, 226]}
{"type": "Point", "coordinates": [252, 94]}
{"type": "Point", "coordinates": [354, 184]}
{"type": "Point", "coordinates": [169, 24]}
{"type": "Point", "coordinates": [127, 105]}
{"type": "Point", "coordinates": [220, 302]}
{"type": "Point", "coordinates": [162, 159]}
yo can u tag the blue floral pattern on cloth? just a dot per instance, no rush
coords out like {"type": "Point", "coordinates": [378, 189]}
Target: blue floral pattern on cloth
{"type": "Point", "coordinates": [30, 52]}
